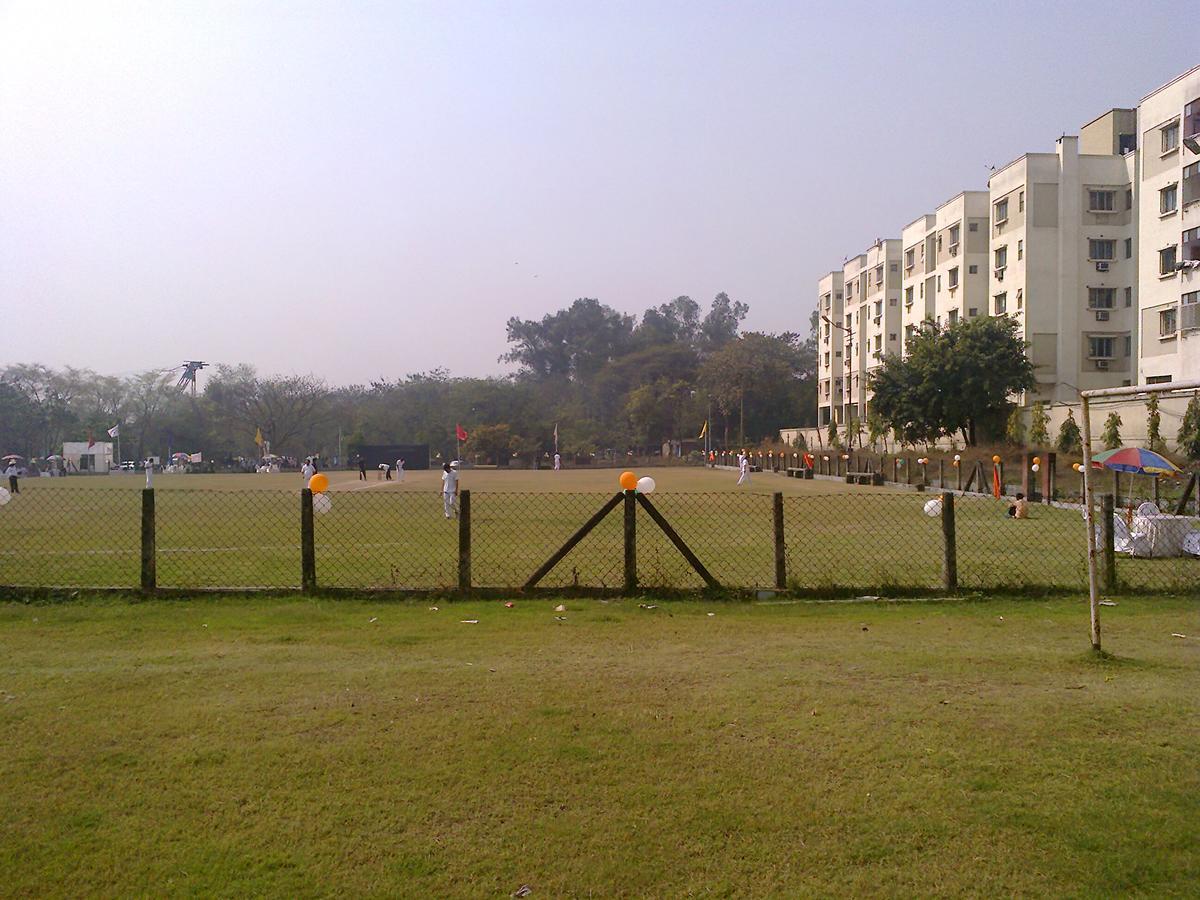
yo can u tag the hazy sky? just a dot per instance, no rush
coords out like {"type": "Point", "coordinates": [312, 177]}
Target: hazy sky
{"type": "Point", "coordinates": [364, 190]}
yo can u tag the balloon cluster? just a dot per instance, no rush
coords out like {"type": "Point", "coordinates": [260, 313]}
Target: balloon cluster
{"type": "Point", "coordinates": [630, 482]}
{"type": "Point", "coordinates": [319, 484]}
{"type": "Point", "coordinates": [1037, 464]}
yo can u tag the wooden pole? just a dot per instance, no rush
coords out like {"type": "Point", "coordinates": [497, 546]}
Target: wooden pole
{"type": "Point", "coordinates": [631, 542]}
{"type": "Point", "coordinates": [1181, 508]}
{"type": "Point", "coordinates": [308, 553]}
{"type": "Point", "coordinates": [464, 541]}
{"type": "Point", "coordinates": [149, 570]}
{"type": "Point", "coordinates": [574, 539]}
{"type": "Point", "coordinates": [780, 546]}
{"type": "Point", "coordinates": [950, 546]}
{"type": "Point", "coordinates": [675, 539]}
{"type": "Point", "coordinates": [1090, 513]}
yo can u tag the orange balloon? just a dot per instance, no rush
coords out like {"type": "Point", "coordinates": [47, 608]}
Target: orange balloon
{"type": "Point", "coordinates": [995, 459]}
{"type": "Point", "coordinates": [1037, 460]}
{"type": "Point", "coordinates": [319, 483]}
{"type": "Point", "coordinates": [628, 481]}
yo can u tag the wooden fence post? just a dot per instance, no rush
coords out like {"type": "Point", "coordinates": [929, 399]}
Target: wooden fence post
{"type": "Point", "coordinates": [464, 541]}
{"type": "Point", "coordinates": [1108, 553]}
{"type": "Point", "coordinates": [1049, 477]}
{"type": "Point", "coordinates": [942, 474]}
{"type": "Point", "coordinates": [780, 546]}
{"type": "Point", "coordinates": [630, 542]}
{"type": "Point", "coordinates": [950, 547]}
{"type": "Point", "coordinates": [958, 469]}
{"type": "Point", "coordinates": [308, 552]}
{"type": "Point", "coordinates": [149, 570]}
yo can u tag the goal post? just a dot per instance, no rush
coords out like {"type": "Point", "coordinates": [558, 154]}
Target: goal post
{"type": "Point", "coordinates": [1100, 397]}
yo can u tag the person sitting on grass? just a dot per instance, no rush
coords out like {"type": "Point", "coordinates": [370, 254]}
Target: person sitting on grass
{"type": "Point", "coordinates": [1019, 508]}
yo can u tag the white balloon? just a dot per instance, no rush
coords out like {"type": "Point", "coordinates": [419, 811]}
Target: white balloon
{"type": "Point", "coordinates": [5, 496]}
{"type": "Point", "coordinates": [645, 485]}
{"type": "Point", "coordinates": [322, 503]}
{"type": "Point", "coordinates": [957, 457]}
{"type": "Point", "coordinates": [1035, 467]}
{"type": "Point", "coordinates": [933, 508]}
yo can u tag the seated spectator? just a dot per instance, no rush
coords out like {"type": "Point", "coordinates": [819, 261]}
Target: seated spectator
{"type": "Point", "coordinates": [1019, 509]}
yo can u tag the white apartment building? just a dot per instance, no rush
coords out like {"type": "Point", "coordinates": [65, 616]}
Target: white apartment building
{"type": "Point", "coordinates": [1169, 205]}
{"type": "Point", "coordinates": [945, 264]}
{"type": "Point", "coordinates": [831, 368]}
{"type": "Point", "coordinates": [1063, 247]}
{"type": "Point", "coordinates": [871, 321]}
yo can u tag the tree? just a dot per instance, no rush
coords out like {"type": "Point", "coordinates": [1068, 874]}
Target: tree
{"type": "Point", "coordinates": [832, 436]}
{"type": "Point", "coordinates": [573, 343]}
{"type": "Point", "coordinates": [877, 429]}
{"type": "Point", "coordinates": [1069, 439]}
{"type": "Point", "coordinates": [1153, 425]}
{"type": "Point", "coordinates": [1111, 435]}
{"type": "Point", "coordinates": [721, 324]}
{"type": "Point", "coordinates": [758, 376]}
{"type": "Point", "coordinates": [1014, 430]}
{"type": "Point", "coordinates": [953, 379]}
{"type": "Point", "coordinates": [495, 442]}
{"type": "Point", "coordinates": [1039, 421]}
{"type": "Point", "coordinates": [1189, 429]}
{"type": "Point", "coordinates": [654, 410]}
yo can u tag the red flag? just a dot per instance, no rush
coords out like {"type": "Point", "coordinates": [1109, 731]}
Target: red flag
{"type": "Point", "coordinates": [459, 433]}
{"type": "Point", "coordinates": [996, 480]}
{"type": "Point", "coordinates": [91, 440]}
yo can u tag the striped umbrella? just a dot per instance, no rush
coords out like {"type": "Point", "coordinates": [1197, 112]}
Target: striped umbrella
{"type": "Point", "coordinates": [1136, 461]}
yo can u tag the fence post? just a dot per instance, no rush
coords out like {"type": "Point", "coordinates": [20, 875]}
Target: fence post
{"type": "Point", "coordinates": [464, 541]}
{"type": "Point", "coordinates": [950, 559]}
{"type": "Point", "coordinates": [1049, 477]}
{"type": "Point", "coordinates": [1108, 553]}
{"type": "Point", "coordinates": [149, 571]}
{"type": "Point", "coordinates": [630, 542]}
{"type": "Point", "coordinates": [780, 547]}
{"type": "Point", "coordinates": [958, 475]}
{"type": "Point", "coordinates": [308, 551]}
{"type": "Point", "coordinates": [942, 474]}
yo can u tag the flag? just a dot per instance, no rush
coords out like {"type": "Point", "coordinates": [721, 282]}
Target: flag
{"type": "Point", "coordinates": [196, 457]}
{"type": "Point", "coordinates": [996, 480]}
{"type": "Point", "coordinates": [459, 433]}
{"type": "Point", "coordinates": [703, 431]}
{"type": "Point", "coordinates": [114, 431]}
{"type": "Point", "coordinates": [258, 438]}
{"type": "Point", "coordinates": [91, 440]}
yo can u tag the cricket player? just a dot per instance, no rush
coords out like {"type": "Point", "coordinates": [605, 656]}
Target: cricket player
{"type": "Point", "coordinates": [743, 468]}
{"type": "Point", "coordinates": [399, 470]}
{"type": "Point", "coordinates": [449, 490]}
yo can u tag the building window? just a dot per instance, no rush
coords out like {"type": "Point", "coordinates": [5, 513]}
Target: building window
{"type": "Point", "coordinates": [973, 312]}
{"type": "Point", "coordinates": [1100, 347]}
{"type": "Point", "coordinates": [910, 257]}
{"type": "Point", "coordinates": [939, 243]}
{"type": "Point", "coordinates": [954, 317]}
{"type": "Point", "coordinates": [1021, 202]}
{"type": "Point", "coordinates": [1101, 201]}
{"type": "Point", "coordinates": [972, 226]}
{"type": "Point", "coordinates": [892, 336]}
{"type": "Point", "coordinates": [1170, 136]}
{"type": "Point", "coordinates": [939, 282]}
{"type": "Point", "coordinates": [1101, 297]}
{"type": "Point", "coordinates": [878, 308]}
{"type": "Point", "coordinates": [1002, 211]}
{"type": "Point", "coordinates": [879, 342]}
{"type": "Point", "coordinates": [1159, 379]}
{"type": "Point", "coordinates": [1166, 260]}
{"type": "Point", "coordinates": [1020, 249]}
{"type": "Point", "coordinates": [1100, 249]}
{"type": "Point", "coordinates": [1000, 304]}
{"type": "Point", "coordinates": [1191, 244]}
{"type": "Point", "coordinates": [1129, 248]}
{"type": "Point", "coordinates": [1126, 143]}
{"type": "Point", "coordinates": [909, 331]}
{"type": "Point", "coordinates": [972, 270]}
{"type": "Point", "coordinates": [908, 296]}
{"type": "Point", "coordinates": [954, 232]}
{"type": "Point", "coordinates": [1168, 199]}
{"type": "Point", "coordinates": [952, 278]}
{"type": "Point", "coordinates": [1167, 321]}
{"type": "Point", "coordinates": [1128, 297]}
{"type": "Point", "coordinates": [1001, 257]}
{"type": "Point", "coordinates": [1128, 342]}
{"type": "Point", "coordinates": [1129, 199]}
{"type": "Point", "coordinates": [1189, 298]}
{"type": "Point", "coordinates": [1020, 298]}
{"type": "Point", "coordinates": [891, 301]}
{"type": "Point", "coordinates": [894, 267]}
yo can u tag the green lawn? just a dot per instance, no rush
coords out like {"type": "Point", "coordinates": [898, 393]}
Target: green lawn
{"type": "Point", "coordinates": [242, 531]}
{"type": "Point", "coordinates": [295, 747]}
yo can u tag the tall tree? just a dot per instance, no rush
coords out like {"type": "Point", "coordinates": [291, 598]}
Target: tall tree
{"type": "Point", "coordinates": [721, 324]}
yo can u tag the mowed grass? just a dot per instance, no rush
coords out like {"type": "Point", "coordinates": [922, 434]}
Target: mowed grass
{"type": "Point", "coordinates": [242, 531]}
{"type": "Point", "coordinates": [294, 747]}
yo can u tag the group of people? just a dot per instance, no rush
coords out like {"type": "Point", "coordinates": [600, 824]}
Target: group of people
{"type": "Point", "coordinates": [385, 470]}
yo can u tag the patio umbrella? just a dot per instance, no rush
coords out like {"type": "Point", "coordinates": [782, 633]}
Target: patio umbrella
{"type": "Point", "coordinates": [53, 456]}
{"type": "Point", "coordinates": [1136, 461]}
{"type": "Point", "coordinates": [11, 456]}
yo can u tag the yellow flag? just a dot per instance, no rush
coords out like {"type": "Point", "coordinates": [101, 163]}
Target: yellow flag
{"type": "Point", "coordinates": [704, 430]}
{"type": "Point", "coordinates": [258, 438]}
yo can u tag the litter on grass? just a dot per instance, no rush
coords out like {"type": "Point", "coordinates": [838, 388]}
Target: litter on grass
{"type": "Point", "coordinates": [469, 621]}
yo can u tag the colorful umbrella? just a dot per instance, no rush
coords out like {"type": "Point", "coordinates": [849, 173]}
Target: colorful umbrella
{"type": "Point", "coordinates": [1135, 460]}
{"type": "Point", "coordinates": [12, 456]}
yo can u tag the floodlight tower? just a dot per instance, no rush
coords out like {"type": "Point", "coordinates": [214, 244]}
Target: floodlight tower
{"type": "Point", "coordinates": [190, 368]}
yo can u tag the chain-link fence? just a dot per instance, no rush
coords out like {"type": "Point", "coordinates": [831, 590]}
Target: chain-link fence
{"type": "Point", "coordinates": [876, 541]}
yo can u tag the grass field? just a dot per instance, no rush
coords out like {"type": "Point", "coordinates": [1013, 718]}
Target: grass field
{"type": "Point", "coordinates": [295, 747]}
{"type": "Point", "coordinates": [242, 531]}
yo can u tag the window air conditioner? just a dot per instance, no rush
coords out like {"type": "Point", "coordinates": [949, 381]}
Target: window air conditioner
{"type": "Point", "coordinates": [1102, 315]}
{"type": "Point", "coordinates": [1102, 364]}
{"type": "Point", "coordinates": [1101, 267]}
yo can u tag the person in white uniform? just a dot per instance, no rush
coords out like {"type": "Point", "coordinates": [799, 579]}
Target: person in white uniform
{"type": "Point", "coordinates": [307, 470]}
{"type": "Point", "coordinates": [743, 469]}
{"type": "Point", "coordinates": [399, 470]}
{"type": "Point", "coordinates": [449, 491]}
{"type": "Point", "coordinates": [557, 462]}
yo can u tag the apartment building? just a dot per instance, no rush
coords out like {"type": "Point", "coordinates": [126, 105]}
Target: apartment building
{"type": "Point", "coordinates": [1168, 121]}
{"type": "Point", "coordinates": [945, 264]}
{"type": "Point", "coordinates": [871, 321]}
{"type": "Point", "coordinates": [830, 349]}
{"type": "Point", "coordinates": [1063, 248]}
